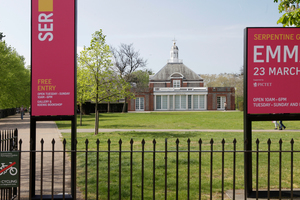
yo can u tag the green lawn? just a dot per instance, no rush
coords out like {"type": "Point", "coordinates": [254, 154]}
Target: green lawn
{"type": "Point", "coordinates": [172, 120]}
{"type": "Point", "coordinates": [178, 120]}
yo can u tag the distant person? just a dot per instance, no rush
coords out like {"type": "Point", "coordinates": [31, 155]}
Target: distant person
{"type": "Point", "coordinates": [281, 125]}
{"type": "Point", "coordinates": [29, 111]}
{"type": "Point", "coordinates": [225, 106]}
{"type": "Point", "coordinates": [22, 112]}
{"type": "Point", "coordinates": [276, 124]}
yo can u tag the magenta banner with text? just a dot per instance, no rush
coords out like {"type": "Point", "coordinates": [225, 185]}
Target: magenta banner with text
{"type": "Point", "coordinates": [273, 70]}
{"type": "Point", "coordinates": [53, 57]}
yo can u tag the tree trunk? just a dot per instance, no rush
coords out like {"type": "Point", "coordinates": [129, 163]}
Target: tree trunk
{"type": "Point", "coordinates": [96, 118]}
{"type": "Point", "coordinates": [124, 106]}
{"type": "Point", "coordinates": [80, 107]}
{"type": "Point", "coordinates": [108, 107]}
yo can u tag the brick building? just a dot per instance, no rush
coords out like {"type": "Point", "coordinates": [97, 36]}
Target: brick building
{"type": "Point", "coordinates": [176, 87]}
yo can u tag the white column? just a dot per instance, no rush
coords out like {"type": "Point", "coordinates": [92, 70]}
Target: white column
{"type": "Point", "coordinates": [173, 101]}
{"type": "Point", "coordinates": [154, 102]}
{"type": "Point", "coordinates": [205, 102]}
{"type": "Point", "coordinates": [192, 100]}
{"type": "Point", "coordinates": [168, 104]}
{"type": "Point", "coordinates": [187, 102]}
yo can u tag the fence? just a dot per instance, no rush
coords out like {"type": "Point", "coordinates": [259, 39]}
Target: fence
{"type": "Point", "coordinates": [191, 170]}
{"type": "Point", "coordinates": [7, 112]}
{"type": "Point", "coordinates": [8, 142]}
{"type": "Point", "coordinates": [164, 170]}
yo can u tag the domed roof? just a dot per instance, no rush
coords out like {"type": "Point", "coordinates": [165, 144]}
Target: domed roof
{"type": "Point", "coordinates": [172, 69]}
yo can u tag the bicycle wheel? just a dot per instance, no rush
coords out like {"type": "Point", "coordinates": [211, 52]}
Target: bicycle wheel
{"type": "Point", "coordinates": [13, 171]}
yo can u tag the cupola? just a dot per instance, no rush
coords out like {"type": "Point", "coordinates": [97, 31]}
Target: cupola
{"type": "Point", "coordinates": [174, 54]}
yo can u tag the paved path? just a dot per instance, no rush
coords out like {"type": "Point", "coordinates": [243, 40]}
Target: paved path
{"type": "Point", "coordinates": [46, 130]}
{"type": "Point", "coordinates": [169, 130]}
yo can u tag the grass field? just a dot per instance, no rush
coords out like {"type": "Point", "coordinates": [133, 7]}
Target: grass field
{"type": "Point", "coordinates": [180, 120]}
{"type": "Point", "coordinates": [172, 120]}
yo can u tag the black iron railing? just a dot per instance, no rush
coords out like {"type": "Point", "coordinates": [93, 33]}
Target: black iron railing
{"type": "Point", "coordinates": [184, 170]}
{"type": "Point", "coordinates": [7, 112]}
{"type": "Point", "coordinates": [8, 142]}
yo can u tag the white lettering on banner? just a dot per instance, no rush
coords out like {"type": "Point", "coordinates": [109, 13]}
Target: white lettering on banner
{"type": "Point", "coordinates": [282, 99]}
{"type": "Point", "coordinates": [258, 99]}
{"type": "Point", "coordinates": [270, 99]}
{"type": "Point", "coordinates": [264, 84]}
{"type": "Point", "coordinates": [287, 53]}
{"type": "Point", "coordinates": [261, 104]}
{"type": "Point", "coordinates": [43, 19]}
{"type": "Point", "coordinates": [284, 71]}
{"type": "Point", "coordinates": [270, 52]}
{"type": "Point", "coordinates": [55, 104]}
{"type": "Point", "coordinates": [259, 71]}
{"type": "Point", "coordinates": [256, 53]}
{"type": "Point", "coordinates": [281, 104]}
{"type": "Point", "coordinates": [64, 93]}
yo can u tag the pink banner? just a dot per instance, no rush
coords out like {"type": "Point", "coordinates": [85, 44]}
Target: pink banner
{"type": "Point", "coordinates": [273, 70]}
{"type": "Point", "coordinates": [53, 57]}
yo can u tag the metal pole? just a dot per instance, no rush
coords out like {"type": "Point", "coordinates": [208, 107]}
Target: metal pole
{"type": "Point", "coordinates": [247, 156]}
{"type": "Point", "coordinates": [32, 157]}
{"type": "Point", "coordinates": [73, 157]}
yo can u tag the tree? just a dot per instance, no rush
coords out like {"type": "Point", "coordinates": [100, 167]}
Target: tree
{"type": "Point", "coordinates": [291, 16]}
{"type": "Point", "coordinates": [209, 79]}
{"type": "Point", "coordinates": [126, 61]}
{"type": "Point", "coordinates": [82, 88]}
{"type": "Point", "coordinates": [103, 83]}
{"type": "Point", "coordinates": [220, 80]}
{"type": "Point", "coordinates": [14, 78]}
{"type": "Point", "coordinates": [141, 80]}
{"type": "Point", "coordinates": [226, 80]}
{"type": "Point", "coordinates": [1, 36]}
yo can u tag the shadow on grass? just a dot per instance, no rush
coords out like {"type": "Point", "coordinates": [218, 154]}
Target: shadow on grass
{"type": "Point", "coordinates": [122, 126]}
{"type": "Point", "coordinates": [68, 126]}
{"type": "Point", "coordinates": [161, 134]}
{"type": "Point", "coordinates": [92, 116]}
{"type": "Point", "coordinates": [108, 115]}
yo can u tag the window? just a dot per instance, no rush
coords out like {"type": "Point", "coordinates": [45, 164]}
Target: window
{"type": "Point", "coordinates": [161, 102]}
{"type": "Point", "coordinates": [220, 102]}
{"type": "Point", "coordinates": [177, 102]}
{"type": "Point", "coordinates": [139, 103]}
{"type": "Point", "coordinates": [183, 101]}
{"type": "Point", "coordinates": [158, 102]}
{"type": "Point", "coordinates": [164, 102]}
{"type": "Point", "coordinates": [189, 102]}
{"type": "Point", "coordinates": [171, 102]}
{"type": "Point", "coordinates": [195, 102]}
{"type": "Point", "coordinates": [176, 83]}
{"type": "Point", "coordinates": [199, 102]}
{"type": "Point", "coordinates": [180, 102]}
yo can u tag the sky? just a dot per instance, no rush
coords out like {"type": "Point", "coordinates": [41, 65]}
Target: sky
{"type": "Point", "coordinates": [209, 34]}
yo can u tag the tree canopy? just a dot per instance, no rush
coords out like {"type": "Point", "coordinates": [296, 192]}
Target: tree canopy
{"type": "Point", "coordinates": [226, 80]}
{"type": "Point", "coordinates": [141, 80]}
{"type": "Point", "coordinates": [291, 12]}
{"type": "Point", "coordinates": [127, 60]}
{"type": "Point", "coordinates": [96, 80]}
{"type": "Point", "coordinates": [14, 78]}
